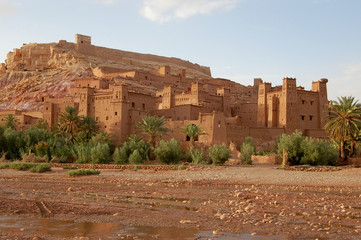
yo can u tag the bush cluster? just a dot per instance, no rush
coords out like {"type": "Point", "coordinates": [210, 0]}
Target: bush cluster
{"type": "Point", "coordinates": [82, 172]}
{"type": "Point", "coordinates": [304, 150]}
{"type": "Point", "coordinates": [32, 167]}
{"type": "Point", "coordinates": [248, 149]}
{"type": "Point", "coordinates": [169, 151]}
{"type": "Point", "coordinates": [219, 154]}
{"type": "Point", "coordinates": [134, 151]}
{"type": "Point", "coordinates": [196, 156]}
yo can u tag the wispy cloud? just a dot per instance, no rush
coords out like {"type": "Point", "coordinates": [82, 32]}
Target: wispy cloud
{"type": "Point", "coordinates": [166, 10]}
{"type": "Point", "coordinates": [8, 8]}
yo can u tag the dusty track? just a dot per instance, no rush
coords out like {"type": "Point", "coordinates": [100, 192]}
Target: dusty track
{"type": "Point", "coordinates": [258, 199]}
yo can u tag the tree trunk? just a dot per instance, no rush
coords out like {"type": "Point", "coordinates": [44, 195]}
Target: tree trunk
{"type": "Point", "coordinates": [342, 149]}
{"type": "Point", "coordinates": [191, 144]}
{"type": "Point", "coordinates": [352, 150]}
{"type": "Point", "coordinates": [152, 146]}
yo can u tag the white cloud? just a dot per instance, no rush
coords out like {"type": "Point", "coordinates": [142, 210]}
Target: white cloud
{"type": "Point", "coordinates": [7, 7]}
{"type": "Point", "coordinates": [166, 10]}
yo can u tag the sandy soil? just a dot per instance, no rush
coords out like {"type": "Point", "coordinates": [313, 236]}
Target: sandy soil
{"type": "Point", "coordinates": [257, 200]}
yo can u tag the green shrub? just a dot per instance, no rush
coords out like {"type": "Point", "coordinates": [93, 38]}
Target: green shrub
{"type": "Point", "coordinates": [135, 158]}
{"type": "Point", "coordinates": [120, 156]}
{"type": "Point", "coordinates": [22, 166]}
{"type": "Point", "coordinates": [82, 172]}
{"type": "Point", "coordinates": [248, 149]}
{"type": "Point", "coordinates": [4, 165]}
{"type": "Point", "coordinates": [82, 152]}
{"type": "Point", "coordinates": [100, 154]}
{"type": "Point", "coordinates": [103, 137]}
{"type": "Point", "coordinates": [219, 154]}
{"type": "Point", "coordinates": [14, 141]}
{"type": "Point", "coordinates": [41, 149]}
{"type": "Point", "coordinates": [196, 156]}
{"type": "Point", "coordinates": [169, 152]}
{"type": "Point", "coordinates": [32, 167]}
{"type": "Point", "coordinates": [34, 136]}
{"type": "Point", "coordinates": [305, 150]}
{"type": "Point", "coordinates": [292, 145]}
{"type": "Point", "coordinates": [61, 149]}
{"type": "Point", "coordinates": [318, 152]}
{"type": "Point", "coordinates": [40, 168]}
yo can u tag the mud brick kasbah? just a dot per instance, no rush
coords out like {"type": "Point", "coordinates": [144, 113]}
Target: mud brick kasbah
{"type": "Point", "coordinates": [180, 91]}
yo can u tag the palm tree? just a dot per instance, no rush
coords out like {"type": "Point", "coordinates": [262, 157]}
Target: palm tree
{"type": "Point", "coordinates": [11, 122]}
{"type": "Point", "coordinates": [69, 122]}
{"type": "Point", "coordinates": [192, 131]}
{"type": "Point", "coordinates": [88, 127]}
{"type": "Point", "coordinates": [153, 127]}
{"type": "Point", "coordinates": [344, 123]}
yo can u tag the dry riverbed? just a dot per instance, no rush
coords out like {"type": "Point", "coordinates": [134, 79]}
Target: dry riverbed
{"type": "Point", "coordinates": [231, 202]}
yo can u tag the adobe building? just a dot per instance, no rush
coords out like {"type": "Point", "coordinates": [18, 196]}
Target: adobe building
{"type": "Point", "coordinates": [226, 110]}
{"type": "Point", "coordinates": [23, 119]}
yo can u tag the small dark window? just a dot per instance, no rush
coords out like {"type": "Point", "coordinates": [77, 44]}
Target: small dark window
{"type": "Point", "coordinates": [97, 119]}
{"type": "Point", "coordinates": [81, 42]}
{"type": "Point", "coordinates": [311, 117]}
{"type": "Point", "coordinates": [116, 113]}
{"type": "Point", "coordinates": [302, 118]}
{"type": "Point", "coordinates": [26, 122]}
{"type": "Point", "coordinates": [133, 104]}
{"type": "Point", "coordinates": [303, 101]}
{"type": "Point", "coordinates": [143, 106]}
{"type": "Point", "coordinates": [105, 126]}
{"type": "Point", "coordinates": [106, 118]}
{"type": "Point", "coordinates": [146, 77]}
{"type": "Point", "coordinates": [42, 99]}
{"type": "Point", "coordinates": [311, 102]}
{"type": "Point", "coordinates": [47, 108]}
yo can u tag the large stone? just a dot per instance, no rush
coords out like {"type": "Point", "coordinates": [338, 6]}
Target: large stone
{"type": "Point", "coordinates": [268, 159]}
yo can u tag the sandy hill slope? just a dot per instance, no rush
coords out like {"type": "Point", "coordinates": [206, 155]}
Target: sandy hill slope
{"type": "Point", "coordinates": [36, 70]}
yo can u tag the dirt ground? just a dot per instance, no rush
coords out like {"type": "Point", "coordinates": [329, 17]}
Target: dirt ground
{"type": "Point", "coordinates": [263, 202]}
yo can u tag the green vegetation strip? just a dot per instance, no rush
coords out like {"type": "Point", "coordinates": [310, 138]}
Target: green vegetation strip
{"type": "Point", "coordinates": [82, 172]}
{"type": "Point", "coordinates": [32, 167]}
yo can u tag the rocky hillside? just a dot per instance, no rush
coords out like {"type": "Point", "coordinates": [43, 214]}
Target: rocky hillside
{"type": "Point", "coordinates": [36, 71]}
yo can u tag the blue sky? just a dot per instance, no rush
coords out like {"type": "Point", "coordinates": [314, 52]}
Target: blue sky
{"type": "Point", "coordinates": [238, 39]}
